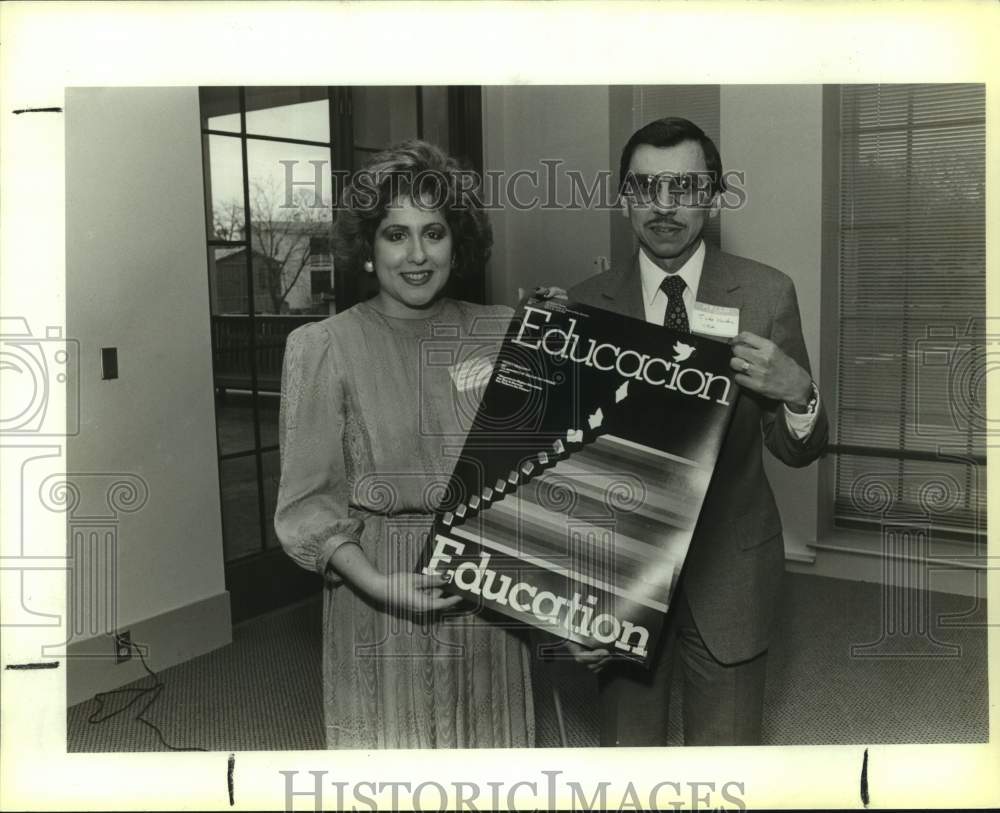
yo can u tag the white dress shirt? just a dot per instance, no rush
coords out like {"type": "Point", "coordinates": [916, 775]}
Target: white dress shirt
{"type": "Point", "coordinates": [654, 301]}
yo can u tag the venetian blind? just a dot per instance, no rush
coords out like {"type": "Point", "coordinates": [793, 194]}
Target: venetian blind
{"type": "Point", "coordinates": [912, 360]}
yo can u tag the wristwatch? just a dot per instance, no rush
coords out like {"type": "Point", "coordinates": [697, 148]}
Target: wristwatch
{"type": "Point", "coordinates": [811, 404]}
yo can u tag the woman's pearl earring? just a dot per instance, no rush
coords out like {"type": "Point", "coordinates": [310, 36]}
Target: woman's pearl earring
{"type": "Point", "coordinates": [369, 266]}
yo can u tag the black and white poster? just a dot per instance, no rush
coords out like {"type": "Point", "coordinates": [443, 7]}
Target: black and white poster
{"type": "Point", "coordinates": [573, 503]}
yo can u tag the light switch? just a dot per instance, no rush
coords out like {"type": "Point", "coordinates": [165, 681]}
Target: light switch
{"type": "Point", "coordinates": [109, 363]}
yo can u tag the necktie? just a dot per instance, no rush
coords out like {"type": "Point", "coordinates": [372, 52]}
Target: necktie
{"type": "Point", "coordinates": [676, 317]}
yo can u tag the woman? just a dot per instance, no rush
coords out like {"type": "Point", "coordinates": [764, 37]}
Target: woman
{"type": "Point", "coordinates": [365, 417]}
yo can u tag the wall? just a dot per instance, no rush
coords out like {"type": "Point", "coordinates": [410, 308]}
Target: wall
{"type": "Point", "coordinates": [774, 134]}
{"type": "Point", "coordinates": [521, 126]}
{"type": "Point", "coordinates": [136, 279]}
{"type": "Point", "coordinates": [383, 115]}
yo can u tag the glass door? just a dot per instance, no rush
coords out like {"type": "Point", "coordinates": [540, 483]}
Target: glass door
{"type": "Point", "coordinates": [270, 157]}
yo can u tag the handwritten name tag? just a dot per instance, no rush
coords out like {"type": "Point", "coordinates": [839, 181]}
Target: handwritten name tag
{"type": "Point", "coordinates": [715, 320]}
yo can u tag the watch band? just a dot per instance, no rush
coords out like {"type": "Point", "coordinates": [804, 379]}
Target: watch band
{"type": "Point", "coordinates": [813, 402]}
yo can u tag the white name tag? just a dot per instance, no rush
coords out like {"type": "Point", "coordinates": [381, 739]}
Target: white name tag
{"type": "Point", "coordinates": [715, 320]}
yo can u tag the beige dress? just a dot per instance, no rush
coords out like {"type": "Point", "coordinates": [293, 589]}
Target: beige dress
{"type": "Point", "coordinates": [370, 423]}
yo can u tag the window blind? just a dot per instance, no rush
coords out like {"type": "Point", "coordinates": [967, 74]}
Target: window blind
{"type": "Point", "coordinates": [912, 362]}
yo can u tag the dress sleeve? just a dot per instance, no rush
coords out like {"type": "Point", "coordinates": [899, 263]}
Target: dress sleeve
{"type": "Point", "coordinates": [311, 517]}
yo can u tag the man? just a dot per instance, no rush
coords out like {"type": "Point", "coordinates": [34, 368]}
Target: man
{"type": "Point", "coordinates": [721, 617]}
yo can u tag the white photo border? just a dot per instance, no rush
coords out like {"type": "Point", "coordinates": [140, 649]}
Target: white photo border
{"type": "Point", "coordinates": [51, 46]}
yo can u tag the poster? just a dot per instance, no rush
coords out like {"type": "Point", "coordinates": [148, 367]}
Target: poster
{"type": "Point", "coordinates": [573, 503]}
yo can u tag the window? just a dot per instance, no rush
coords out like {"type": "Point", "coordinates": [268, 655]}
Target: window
{"type": "Point", "coordinates": [321, 281]}
{"type": "Point", "coordinates": [267, 152]}
{"type": "Point", "coordinates": [260, 231]}
{"type": "Point", "coordinates": [911, 400]}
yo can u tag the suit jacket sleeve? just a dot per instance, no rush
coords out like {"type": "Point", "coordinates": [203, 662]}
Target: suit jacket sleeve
{"type": "Point", "coordinates": [786, 332]}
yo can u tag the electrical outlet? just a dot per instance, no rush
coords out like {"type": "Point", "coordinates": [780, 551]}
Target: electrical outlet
{"type": "Point", "coordinates": [123, 646]}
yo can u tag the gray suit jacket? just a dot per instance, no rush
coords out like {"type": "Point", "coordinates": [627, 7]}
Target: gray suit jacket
{"type": "Point", "coordinates": [733, 572]}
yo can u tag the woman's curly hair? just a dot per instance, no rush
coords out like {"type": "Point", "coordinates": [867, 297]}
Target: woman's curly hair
{"type": "Point", "coordinates": [425, 174]}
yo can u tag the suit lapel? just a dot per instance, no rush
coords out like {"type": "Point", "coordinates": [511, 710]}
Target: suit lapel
{"type": "Point", "coordinates": [718, 285]}
{"type": "Point", "coordinates": [622, 290]}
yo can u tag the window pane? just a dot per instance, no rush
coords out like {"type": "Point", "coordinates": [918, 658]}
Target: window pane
{"type": "Point", "coordinates": [234, 420]}
{"type": "Point", "coordinates": [220, 108]}
{"type": "Point", "coordinates": [291, 214]}
{"type": "Point", "coordinates": [272, 333]}
{"type": "Point", "coordinates": [227, 275]}
{"type": "Point", "coordinates": [233, 378]}
{"type": "Point", "coordinates": [240, 515]}
{"type": "Point", "coordinates": [225, 187]}
{"type": "Point", "coordinates": [231, 346]}
{"type": "Point", "coordinates": [268, 401]}
{"type": "Point", "coordinates": [272, 477]}
{"type": "Point", "coordinates": [234, 415]}
{"type": "Point", "coordinates": [289, 112]}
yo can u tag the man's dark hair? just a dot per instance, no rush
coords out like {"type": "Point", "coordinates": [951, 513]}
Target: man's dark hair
{"type": "Point", "coordinates": [669, 132]}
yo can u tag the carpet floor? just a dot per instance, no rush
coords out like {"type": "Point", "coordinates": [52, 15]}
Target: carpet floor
{"type": "Point", "coordinates": [835, 676]}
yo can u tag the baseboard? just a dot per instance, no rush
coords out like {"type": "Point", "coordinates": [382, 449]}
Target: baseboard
{"type": "Point", "coordinates": [798, 554]}
{"type": "Point", "coordinates": [169, 639]}
{"type": "Point", "coordinates": [855, 556]}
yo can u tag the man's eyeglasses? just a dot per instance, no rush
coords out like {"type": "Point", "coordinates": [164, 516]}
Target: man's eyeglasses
{"type": "Point", "coordinates": [671, 189]}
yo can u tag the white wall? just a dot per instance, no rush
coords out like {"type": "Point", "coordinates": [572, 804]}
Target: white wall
{"type": "Point", "coordinates": [136, 279]}
{"type": "Point", "coordinates": [521, 126]}
{"type": "Point", "coordinates": [774, 134]}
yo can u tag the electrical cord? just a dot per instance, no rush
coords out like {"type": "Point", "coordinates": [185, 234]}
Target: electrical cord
{"type": "Point", "coordinates": [153, 693]}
